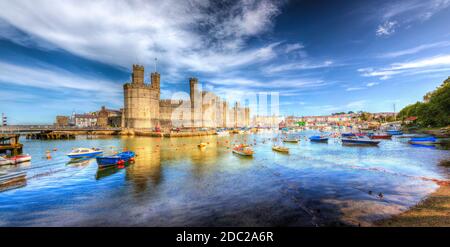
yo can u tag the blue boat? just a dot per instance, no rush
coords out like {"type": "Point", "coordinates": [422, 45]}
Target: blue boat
{"type": "Point", "coordinates": [429, 140]}
{"type": "Point", "coordinates": [347, 134]}
{"type": "Point", "coordinates": [113, 160]}
{"type": "Point", "coordinates": [318, 139]}
{"type": "Point", "coordinates": [84, 153]}
{"type": "Point", "coordinates": [394, 132]}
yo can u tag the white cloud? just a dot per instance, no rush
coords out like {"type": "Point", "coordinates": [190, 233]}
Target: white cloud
{"type": "Point", "coordinates": [371, 84]}
{"type": "Point", "coordinates": [53, 78]}
{"type": "Point", "coordinates": [195, 35]}
{"type": "Point", "coordinates": [354, 88]}
{"type": "Point", "coordinates": [386, 28]}
{"type": "Point", "coordinates": [293, 47]}
{"type": "Point", "coordinates": [416, 66]}
{"type": "Point", "coordinates": [297, 66]}
{"type": "Point", "coordinates": [405, 12]}
{"type": "Point", "coordinates": [415, 49]}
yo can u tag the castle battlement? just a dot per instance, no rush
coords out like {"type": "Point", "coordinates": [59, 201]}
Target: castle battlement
{"type": "Point", "coordinates": [144, 109]}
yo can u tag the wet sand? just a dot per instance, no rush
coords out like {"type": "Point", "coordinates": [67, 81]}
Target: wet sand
{"type": "Point", "coordinates": [434, 211]}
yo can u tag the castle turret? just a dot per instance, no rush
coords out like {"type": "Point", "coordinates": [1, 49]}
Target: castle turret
{"type": "Point", "coordinates": [155, 79]}
{"type": "Point", "coordinates": [141, 101]}
{"type": "Point", "coordinates": [138, 74]}
{"type": "Point", "coordinates": [193, 83]}
{"type": "Point", "coordinates": [196, 102]}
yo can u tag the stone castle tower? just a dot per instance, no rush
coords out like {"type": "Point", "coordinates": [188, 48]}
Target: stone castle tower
{"type": "Point", "coordinates": [141, 101]}
{"type": "Point", "coordinates": [196, 102]}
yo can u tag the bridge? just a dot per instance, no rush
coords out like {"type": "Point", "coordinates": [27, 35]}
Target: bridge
{"type": "Point", "coordinates": [23, 129]}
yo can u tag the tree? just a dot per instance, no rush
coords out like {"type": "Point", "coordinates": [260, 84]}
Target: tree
{"type": "Point", "coordinates": [434, 111]}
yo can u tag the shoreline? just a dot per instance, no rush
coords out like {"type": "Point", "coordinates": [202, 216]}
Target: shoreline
{"type": "Point", "coordinates": [432, 211]}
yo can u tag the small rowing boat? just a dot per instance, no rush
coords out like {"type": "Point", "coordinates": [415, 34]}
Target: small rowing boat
{"type": "Point", "coordinates": [84, 153]}
{"type": "Point", "coordinates": [223, 133]}
{"type": "Point", "coordinates": [359, 141]}
{"type": "Point", "coordinates": [118, 159]}
{"type": "Point", "coordinates": [380, 136]}
{"type": "Point", "coordinates": [347, 134]}
{"type": "Point", "coordinates": [394, 132]}
{"type": "Point", "coordinates": [281, 149]}
{"type": "Point", "coordinates": [21, 158]}
{"type": "Point", "coordinates": [201, 145]}
{"type": "Point", "coordinates": [243, 150]}
{"type": "Point", "coordinates": [318, 139]}
{"type": "Point", "coordinates": [15, 159]}
{"type": "Point", "coordinates": [290, 140]}
{"type": "Point", "coordinates": [5, 162]}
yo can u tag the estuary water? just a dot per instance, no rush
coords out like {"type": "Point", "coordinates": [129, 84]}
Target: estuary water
{"type": "Point", "coordinates": [174, 183]}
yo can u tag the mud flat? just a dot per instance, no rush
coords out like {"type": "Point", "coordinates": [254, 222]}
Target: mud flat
{"type": "Point", "coordinates": [433, 211]}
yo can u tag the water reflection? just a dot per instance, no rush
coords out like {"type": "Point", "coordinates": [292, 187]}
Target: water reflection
{"type": "Point", "coordinates": [146, 171]}
{"type": "Point", "coordinates": [175, 183]}
{"type": "Point", "coordinates": [105, 172]}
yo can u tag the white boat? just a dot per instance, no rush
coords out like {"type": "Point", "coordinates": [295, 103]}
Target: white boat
{"type": "Point", "coordinates": [243, 150]}
{"type": "Point", "coordinates": [223, 133]}
{"type": "Point", "coordinates": [291, 140]}
{"type": "Point", "coordinates": [5, 162]}
{"type": "Point", "coordinates": [84, 153]}
{"type": "Point", "coordinates": [359, 141]}
{"type": "Point", "coordinates": [20, 158]}
{"type": "Point", "coordinates": [280, 148]}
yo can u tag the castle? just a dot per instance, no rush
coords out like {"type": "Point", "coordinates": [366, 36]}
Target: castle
{"type": "Point", "coordinates": [143, 108]}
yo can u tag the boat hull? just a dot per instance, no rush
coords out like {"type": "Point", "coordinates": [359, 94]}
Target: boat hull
{"type": "Point", "coordinates": [425, 143]}
{"type": "Point", "coordinates": [394, 132]}
{"type": "Point", "coordinates": [291, 141]}
{"type": "Point", "coordinates": [384, 137]}
{"type": "Point", "coordinates": [318, 139]}
{"type": "Point", "coordinates": [105, 161]}
{"type": "Point", "coordinates": [359, 143]}
{"type": "Point", "coordinates": [281, 150]}
{"type": "Point", "coordinates": [6, 162]}
{"type": "Point", "coordinates": [84, 155]}
{"type": "Point", "coordinates": [243, 153]}
{"type": "Point", "coordinates": [20, 159]}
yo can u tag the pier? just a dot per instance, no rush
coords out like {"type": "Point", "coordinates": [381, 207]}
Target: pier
{"type": "Point", "coordinates": [9, 143]}
{"type": "Point", "coordinates": [50, 135]}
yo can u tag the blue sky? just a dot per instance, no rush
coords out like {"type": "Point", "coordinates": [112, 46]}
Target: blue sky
{"type": "Point", "coordinates": [321, 56]}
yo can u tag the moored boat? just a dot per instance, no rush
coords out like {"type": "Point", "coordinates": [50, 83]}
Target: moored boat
{"type": "Point", "coordinates": [243, 150]}
{"type": "Point", "coordinates": [4, 161]}
{"type": "Point", "coordinates": [359, 141]}
{"type": "Point", "coordinates": [380, 136]}
{"type": "Point", "coordinates": [431, 140]}
{"type": "Point", "coordinates": [84, 153]}
{"type": "Point", "coordinates": [347, 134]}
{"type": "Point", "coordinates": [120, 158]}
{"type": "Point", "coordinates": [15, 159]}
{"type": "Point", "coordinates": [394, 132]}
{"type": "Point", "coordinates": [20, 158]}
{"type": "Point", "coordinates": [223, 133]}
{"type": "Point", "coordinates": [201, 145]}
{"type": "Point", "coordinates": [290, 139]}
{"type": "Point", "coordinates": [280, 148]}
{"type": "Point", "coordinates": [318, 139]}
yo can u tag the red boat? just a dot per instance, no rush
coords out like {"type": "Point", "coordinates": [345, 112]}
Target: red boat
{"type": "Point", "coordinates": [380, 136]}
{"type": "Point", "coordinates": [20, 158]}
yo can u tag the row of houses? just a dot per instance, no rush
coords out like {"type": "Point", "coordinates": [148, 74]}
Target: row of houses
{"type": "Point", "coordinates": [102, 118]}
{"type": "Point", "coordinates": [347, 119]}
